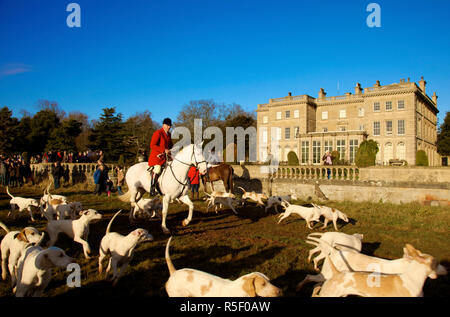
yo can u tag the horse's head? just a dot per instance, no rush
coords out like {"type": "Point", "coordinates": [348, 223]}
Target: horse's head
{"type": "Point", "coordinates": [198, 159]}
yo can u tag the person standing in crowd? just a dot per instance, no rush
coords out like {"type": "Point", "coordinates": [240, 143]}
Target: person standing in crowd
{"type": "Point", "coordinates": [12, 174]}
{"type": "Point", "coordinates": [100, 178]}
{"type": "Point", "coordinates": [120, 179]}
{"type": "Point", "coordinates": [3, 172]}
{"type": "Point", "coordinates": [57, 172]}
{"type": "Point", "coordinates": [109, 186]}
{"type": "Point", "coordinates": [18, 168]}
{"type": "Point", "coordinates": [101, 156]}
{"type": "Point", "coordinates": [98, 175]}
{"type": "Point", "coordinates": [194, 181]}
{"type": "Point", "coordinates": [28, 174]}
{"type": "Point", "coordinates": [327, 160]}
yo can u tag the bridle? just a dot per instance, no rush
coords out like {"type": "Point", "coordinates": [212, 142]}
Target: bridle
{"type": "Point", "coordinates": [196, 166]}
{"type": "Point", "coordinates": [192, 155]}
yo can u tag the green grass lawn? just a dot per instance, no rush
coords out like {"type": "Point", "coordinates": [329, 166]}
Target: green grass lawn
{"type": "Point", "coordinates": [230, 245]}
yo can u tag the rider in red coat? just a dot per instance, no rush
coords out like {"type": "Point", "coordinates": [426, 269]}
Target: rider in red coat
{"type": "Point", "coordinates": [160, 145]}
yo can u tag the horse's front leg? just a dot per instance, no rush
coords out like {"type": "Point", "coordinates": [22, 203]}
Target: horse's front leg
{"type": "Point", "coordinates": [133, 193]}
{"type": "Point", "coordinates": [185, 199]}
{"type": "Point", "coordinates": [165, 209]}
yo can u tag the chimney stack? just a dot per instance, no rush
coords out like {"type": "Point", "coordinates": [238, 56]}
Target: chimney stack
{"type": "Point", "coordinates": [358, 89]}
{"type": "Point", "coordinates": [322, 93]}
{"type": "Point", "coordinates": [422, 84]}
{"type": "Point", "coordinates": [434, 98]}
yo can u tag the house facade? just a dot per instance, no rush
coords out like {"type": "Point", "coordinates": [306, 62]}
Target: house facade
{"type": "Point", "coordinates": [400, 117]}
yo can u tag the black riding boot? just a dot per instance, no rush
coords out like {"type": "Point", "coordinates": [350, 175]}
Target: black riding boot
{"type": "Point", "coordinates": [153, 184]}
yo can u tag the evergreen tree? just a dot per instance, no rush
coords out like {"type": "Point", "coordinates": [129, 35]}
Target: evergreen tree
{"type": "Point", "coordinates": [42, 125]}
{"type": "Point", "coordinates": [443, 138]}
{"type": "Point", "coordinates": [8, 131]}
{"type": "Point", "coordinates": [108, 135]}
{"type": "Point", "coordinates": [421, 158]}
{"type": "Point", "coordinates": [63, 137]}
{"type": "Point", "coordinates": [22, 141]}
{"type": "Point", "coordinates": [292, 158]}
{"type": "Point", "coordinates": [366, 154]}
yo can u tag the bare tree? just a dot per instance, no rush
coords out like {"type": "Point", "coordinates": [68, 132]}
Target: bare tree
{"type": "Point", "coordinates": [139, 130]}
{"type": "Point", "coordinates": [205, 109]}
{"type": "Point", "coordinates": [82, 140]}
{"type": "Point", "coordinates": [43, 104]}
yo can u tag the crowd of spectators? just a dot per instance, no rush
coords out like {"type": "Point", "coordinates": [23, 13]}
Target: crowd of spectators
{"type": "Point", "coordinates": [14, 171]}
{"type": "Point", "coordinates": [67, 157]}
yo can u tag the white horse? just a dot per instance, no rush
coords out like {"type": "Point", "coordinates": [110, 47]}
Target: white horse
{"type": "Point", "coordinates": [173, 182]}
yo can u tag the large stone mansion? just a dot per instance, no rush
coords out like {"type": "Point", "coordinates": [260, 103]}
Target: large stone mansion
{"type": "Point", "coordinates": [400, 117]}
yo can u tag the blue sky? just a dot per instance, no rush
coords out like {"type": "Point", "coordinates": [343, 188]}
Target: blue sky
{"type": "Point", "coordinates": [159, 55]}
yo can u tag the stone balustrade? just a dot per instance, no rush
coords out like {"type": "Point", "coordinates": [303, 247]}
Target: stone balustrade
{"type": "Point", "coordinates": [349, 173]}
{"type": "Point", "coordinates": [73, 172]}
{"type": "Point", "coordinates": [83, 172]}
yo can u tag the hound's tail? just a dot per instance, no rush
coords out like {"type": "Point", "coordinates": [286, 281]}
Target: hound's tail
{"type": "Point", "coordinates": [172, 268]}
{"type": "Point", "coordinates": [327, 248]}
{"type": "Point", "coordinates": [111, 221]}
{"type": "Point", "coordinates": [242, 189]}
{"type": "Point", "coordinates": [7, 191]}
{"type": "Point", "coordinates": [125, 197]}
{"type": "Point", "coordinates": [4, 227]}
{"type": "Point", "coordinates": [334, 270]}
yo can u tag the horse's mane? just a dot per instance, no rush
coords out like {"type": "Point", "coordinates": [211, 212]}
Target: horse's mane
{"type": "Point", "coordinates": [183, 149]}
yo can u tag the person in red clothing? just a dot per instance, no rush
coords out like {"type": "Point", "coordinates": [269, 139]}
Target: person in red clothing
{"type": "Point", "coordinates": [194, 180]}
{"type": "Point", "coordinates": [160, 146]}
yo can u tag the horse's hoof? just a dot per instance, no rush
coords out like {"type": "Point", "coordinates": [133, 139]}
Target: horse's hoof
{"type": "Point", "coordinates": [166, 231]}
{"type": "Point", "coordinates": [184, 223]}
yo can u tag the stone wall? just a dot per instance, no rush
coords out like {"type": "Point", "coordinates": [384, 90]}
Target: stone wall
{"type": "Point", "coordinates": [427, 185]}
{"type": "Point", "coordinates": [74, 172]}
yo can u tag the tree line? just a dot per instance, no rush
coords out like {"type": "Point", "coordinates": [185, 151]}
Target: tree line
{"type": "Point", "coordinates": [52, 129]}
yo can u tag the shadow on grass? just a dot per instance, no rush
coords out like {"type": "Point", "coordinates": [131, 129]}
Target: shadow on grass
{"type": "Point", "coordinates": [150, 279]}
{"type": "Point", "coordinates": [369, 248]}
{"type": "Point", "coordinates": [289, 281]}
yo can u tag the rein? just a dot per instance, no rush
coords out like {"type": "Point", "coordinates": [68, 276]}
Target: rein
{"type": "Point", "coordinates": [196, 165]}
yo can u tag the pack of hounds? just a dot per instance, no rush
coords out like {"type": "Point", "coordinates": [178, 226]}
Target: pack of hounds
{"type": "Point", "coordinates": [345, 270]}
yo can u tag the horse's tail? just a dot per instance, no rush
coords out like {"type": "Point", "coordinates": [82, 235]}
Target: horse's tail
{"type": "Point", "coordinates": [125, 197]}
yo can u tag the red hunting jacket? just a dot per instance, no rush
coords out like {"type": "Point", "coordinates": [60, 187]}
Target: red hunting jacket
{"type": "Point", "coordinates": [193, 175]}
{"type": "Point", "coordinates": [160, 141]}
